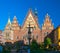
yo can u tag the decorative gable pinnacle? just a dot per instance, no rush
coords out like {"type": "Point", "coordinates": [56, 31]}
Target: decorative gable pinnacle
{"type": "Point", "coordinates": [15, 18]}
{"type": "Point", "coordinates": [47, 18]}
{"type": "Point", "coordinates": [47, 15]}
{"type": "Point", "coordinates": [9, 22]}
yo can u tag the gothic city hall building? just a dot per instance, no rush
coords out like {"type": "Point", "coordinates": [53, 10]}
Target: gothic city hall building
{"type": "Point", "coordinates": [14, 32]}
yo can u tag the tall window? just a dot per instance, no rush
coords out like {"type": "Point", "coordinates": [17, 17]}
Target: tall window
{"type": "Point", "coordinates": [27, 43]}
{"type": "Point", "coordinates": [17, 37]}
{"type": "Point", "coordinates": [23, 37]}
{"type": "Point", "coordinates": [34, 27]}
{"type": "Point", "coordinates": [32, 36]}
{"type": "Point", "coordinates": [36, 36]}
{"type": "Point", "coordinates": [7, 36]}
{"type": "Point", "coordinates": [46, 33]}
{"type": "Point", "coordinates": [47, 28]}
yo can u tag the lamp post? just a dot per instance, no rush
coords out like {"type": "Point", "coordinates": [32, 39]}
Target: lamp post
{"type": "Point", "coordinates": [29, 36]}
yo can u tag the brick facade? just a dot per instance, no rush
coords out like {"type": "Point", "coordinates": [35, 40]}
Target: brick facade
{"type": "Point", "coordinates": [20, 32]}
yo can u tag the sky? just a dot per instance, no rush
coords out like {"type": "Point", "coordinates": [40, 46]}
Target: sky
{"type": "Point", "coordinates": [19, 8]}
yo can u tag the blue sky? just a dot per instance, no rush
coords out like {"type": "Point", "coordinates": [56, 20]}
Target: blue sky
{"type": "Point", "coordinates": [20, 8]}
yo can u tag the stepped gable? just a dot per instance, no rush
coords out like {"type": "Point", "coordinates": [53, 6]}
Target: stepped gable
{"type": "Point", "coordinates": [47, 27]}
{"type": "Point", "coordinates": [47, 23]}
{"type": "Point", "coordinates": [16, 29]}
{"type": "Point", "coordinates": [15, 25]}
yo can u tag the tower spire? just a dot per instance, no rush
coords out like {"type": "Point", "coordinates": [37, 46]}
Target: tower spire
{"type": "Point", "coordinates": [15, 19]}
{"type": "Point", "coordinates": [35, 12]}
{"type": "Point", "coordinates": [9, 22]}
{"type": "Point", "coordinates": [47, 15]}
{"type": "Point", "coordinates": [15, 24]}
{"type": "Point", "coordinates": [47, 18]}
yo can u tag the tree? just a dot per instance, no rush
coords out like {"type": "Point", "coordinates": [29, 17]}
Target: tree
{"type": "Point", "coordinates": [47, 42]}
{"type": "Point", "coordinates": [41, 45]}
{"type": "Point", "coordinates": [34, 45]}
{"type": "Point", "coordinates": [8, 46]}
{"type": "Point", "coordinates": [16, 45]}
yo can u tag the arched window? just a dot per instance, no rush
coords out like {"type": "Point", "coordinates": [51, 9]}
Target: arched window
{"type": "Point", "coordinates": [46, 33]}
{"type": "Point", "coordinates": [36, 36]}
{"type": "Point", "coordinates": [27, 43]}
{"type": "Point", "coordinates": [17, 37]}
{"type": "Point", "coordinates": [32, 36]}
{"type": "Point", "coordinates": [7, 36]}
{"type": "Point", "coordinates": [34, 27]}
{"type": "Point", "coordinates": [47, 28]}
{"type": "Point", "coordinates": [23, 37]}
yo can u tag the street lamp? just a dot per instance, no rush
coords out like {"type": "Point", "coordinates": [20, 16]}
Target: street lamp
{"type": "Point", "coordinates": [29, 36]}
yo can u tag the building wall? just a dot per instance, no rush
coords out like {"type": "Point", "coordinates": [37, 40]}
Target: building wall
{"type": "Point", "coordinates": [18, 33]}
{"type": "Point", "coordinates": [1, 37]}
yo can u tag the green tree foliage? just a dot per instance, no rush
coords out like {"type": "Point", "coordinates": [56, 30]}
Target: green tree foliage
{"type": "Point", "coordinates": [8, 46]}
{"type": "Point", "coordinates": [16, 45]}
{"type": "Point", "coordinates": [41, 45]}
{"type": "Point", "coordinates": [47, 42]}
{"type": "Point", "coordinates": [34, 45]}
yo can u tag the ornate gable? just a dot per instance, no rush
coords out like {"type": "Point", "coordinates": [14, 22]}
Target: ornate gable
{"type": "Point", "coordinates": [8, 33]}
{"type": "Point", "coordinates": [47, 27]}
{"type": "Point", "coordinates": [15, 25]}
{"type": "Point", "coordinates": [30, 19]}
{"type": "Point", "coordinates": [47, 23]}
